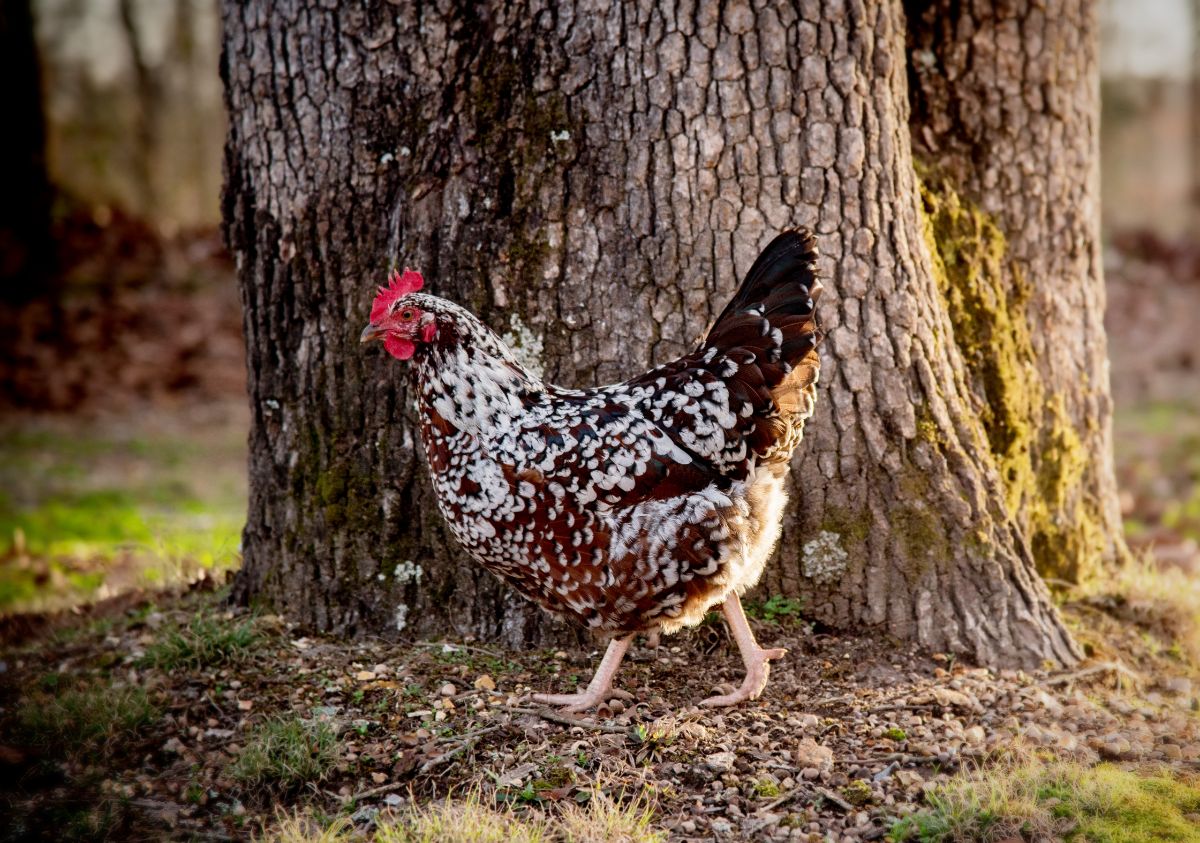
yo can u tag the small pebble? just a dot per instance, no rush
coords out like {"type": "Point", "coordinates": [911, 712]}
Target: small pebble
{"type": "Point", "coordinates": [720, 762]}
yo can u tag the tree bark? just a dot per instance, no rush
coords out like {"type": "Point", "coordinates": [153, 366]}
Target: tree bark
{"type": "Point", "coordinates": [592, 179]}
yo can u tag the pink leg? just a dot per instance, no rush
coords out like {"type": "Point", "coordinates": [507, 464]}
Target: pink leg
{"type": "Point", "coordinates": [600, 688]}
{"type": "Point", "coordinates": [757, 660]}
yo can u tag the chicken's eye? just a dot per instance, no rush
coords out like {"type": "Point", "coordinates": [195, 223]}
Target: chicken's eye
{"type": "Point", "coordinates": [407, 314]}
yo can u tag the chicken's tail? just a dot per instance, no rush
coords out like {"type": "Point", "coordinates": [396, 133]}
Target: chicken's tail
{"type": "Point", "coordinates": [770, 325]}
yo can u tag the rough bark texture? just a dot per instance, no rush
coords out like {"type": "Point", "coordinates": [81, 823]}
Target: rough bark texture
{"type": "Point", "coordinates": [1006, 107]}
{"type": "Point", "coordinates": [592, 179]}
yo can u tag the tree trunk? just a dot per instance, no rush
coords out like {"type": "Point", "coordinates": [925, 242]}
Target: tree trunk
{"type": "Point", "coordinates": [592, 180]}
{"type": "Point", "coordinates": [26, 245]}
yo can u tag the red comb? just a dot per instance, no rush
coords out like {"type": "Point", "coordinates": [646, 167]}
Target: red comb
{"type": "Point", "coordinates": [398, 285]}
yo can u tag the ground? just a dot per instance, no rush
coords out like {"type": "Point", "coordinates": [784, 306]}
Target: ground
{"type": "Point", "coordinates": [137, 703]}
{"type": "Point", "coordinates": [160, 716]}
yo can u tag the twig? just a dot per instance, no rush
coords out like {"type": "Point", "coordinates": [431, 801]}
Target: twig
{"type": "Point", "coordinates": [564, 720]}
{"type": "Point", "coordinates": [795, 793]}
{"type": "Point", "coordinates": [835, 799]}
{"type": "Point", "coordinates": [830, 700]}
{"type": "Point", "coordinates": [466, 736]}
{"type": "Point", "coordinates": [1075, 676]}
{"type": "Point", "coordinates": [891, 757]}
{"type": "Point", "coordinates": [448, 756]}
{"type": "Point", "coordinates": [429, 645]}
{"type": "Point", "coordinates": [375, 791]}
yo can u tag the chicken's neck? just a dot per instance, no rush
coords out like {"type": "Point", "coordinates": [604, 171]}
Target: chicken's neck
{"type": "Point", "coordinates": [474, 382]}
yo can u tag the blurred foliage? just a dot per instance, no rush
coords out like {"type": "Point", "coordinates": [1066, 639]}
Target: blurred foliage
{"type": "Point", "coordinates": [88, 718]}
{"type": "Point", "coordinates": [83, 509]}
{"type": "Point", "coordinates": [1158, 464]}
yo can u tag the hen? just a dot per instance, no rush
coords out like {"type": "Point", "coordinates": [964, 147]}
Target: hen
{"type": "Point", "coordinates": [627, 508]}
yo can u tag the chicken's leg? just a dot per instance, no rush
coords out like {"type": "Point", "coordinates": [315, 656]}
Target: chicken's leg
{"type": "Point", "coordinates": [600, 688]}
{"type": "Point", "coordinates": [758, 660]}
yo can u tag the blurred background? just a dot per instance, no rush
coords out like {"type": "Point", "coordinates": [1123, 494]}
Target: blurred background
{"type": "Point", "coordinates": [121, 379]}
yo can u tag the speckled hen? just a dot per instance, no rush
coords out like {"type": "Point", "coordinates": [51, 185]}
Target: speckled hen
{"type": "Point", "coordinates": [627, 508]}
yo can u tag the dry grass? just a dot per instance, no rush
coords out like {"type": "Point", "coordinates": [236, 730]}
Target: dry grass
{"type": "Point", "coordinates": [302, 827]}
{"type": "Point", "coordinates": [1170, 596]}
{"type": "Point", "coordinates": [604, 820]}
{"type": "Point", "coordinates": [472, 819]}
{"type": "Point", "coordinates": [1164, 603]}
{"type": "Point", "coordinates": [465, 821]}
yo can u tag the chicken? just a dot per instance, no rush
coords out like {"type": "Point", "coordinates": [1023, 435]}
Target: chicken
{"type": "Point", "coordinates": [631, 508]}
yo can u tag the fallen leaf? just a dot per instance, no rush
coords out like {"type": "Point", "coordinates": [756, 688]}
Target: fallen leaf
{"type": "Point", "coordinates": [516, 775]}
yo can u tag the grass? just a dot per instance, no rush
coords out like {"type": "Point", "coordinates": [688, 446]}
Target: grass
{"type": "Point", "coordinates": [1058, 800]}
{"type": "Point", "coordinates": [86, 718]}
{"type": "Point", "coordinates": [777, 609]}
{"type": "Point", "coordinates": [305, 828]}
{"type": "Point", "coordinates": [1158, 451]}
{"type": "Point", "coordinates": [1163, 601]}
{"type": "Point", "coordinates": [470, 819]}
{"type": "Point", "coordinates": [206, 641]}
{"type": "Point", "coordinates": [84, 508]}
{"type": "Point", "coordinates": [285, 753]}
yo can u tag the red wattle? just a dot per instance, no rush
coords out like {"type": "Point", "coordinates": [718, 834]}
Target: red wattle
{"type": "Point", "coordinates": [399, 347]}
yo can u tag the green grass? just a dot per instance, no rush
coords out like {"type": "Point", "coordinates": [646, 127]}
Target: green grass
{"type": "Point", "coordinates": [1058, 800]}
{"type": "Point", "coordinates": [284, 754]}
{"type": "Point", "coordinates": [777, 609]}
{"type": "Point", "coordinates": [83, 719]}
{"type": "Point", "coordinates": [206, 641]}
{"type": "Point", "coordinates": [1158, 454]}
{"type": "Point", "coordinates": [81, 508]}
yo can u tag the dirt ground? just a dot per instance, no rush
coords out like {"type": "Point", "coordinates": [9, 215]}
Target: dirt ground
{"type": "Point", "coordinates": [167, 714]}
{"type": "Point", "coordinates": [847, 737]}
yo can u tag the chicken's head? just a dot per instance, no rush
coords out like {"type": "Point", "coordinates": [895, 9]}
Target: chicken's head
{"type": "Point", "coordinates": [397, 319]}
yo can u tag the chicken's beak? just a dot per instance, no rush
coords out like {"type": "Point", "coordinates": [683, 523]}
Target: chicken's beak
{"type": "Point", "coordinates": [372, 332]}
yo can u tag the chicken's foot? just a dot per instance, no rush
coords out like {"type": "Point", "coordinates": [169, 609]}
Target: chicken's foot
{"type": "Point", "coordinates": [600, 688]}
{"type": "Point", "coordinates": [757, 660]}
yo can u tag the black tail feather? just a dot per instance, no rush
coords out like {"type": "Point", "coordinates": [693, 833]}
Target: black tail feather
{"type": "Point", "coordinates": [779, 293]}
{"type": "Point", "coordinates": [784, 275]}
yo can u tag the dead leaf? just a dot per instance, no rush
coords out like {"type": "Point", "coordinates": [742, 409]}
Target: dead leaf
{"type": "Point", "coordinates": [516, 775]}
{"type": "Point", "coordinates": [406, 763]}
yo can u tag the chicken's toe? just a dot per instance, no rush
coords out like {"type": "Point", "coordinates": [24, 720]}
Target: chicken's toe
{"type": "Point", "coordinates": [576, 703]}
{"type": "Point", "coordinates": [758, 670]}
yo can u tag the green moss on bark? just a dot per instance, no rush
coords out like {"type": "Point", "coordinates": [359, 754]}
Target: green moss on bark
{"type": "Point", "coordinates": [1037, 452]}
{"type": "Point", "coordinates": [990, 327]}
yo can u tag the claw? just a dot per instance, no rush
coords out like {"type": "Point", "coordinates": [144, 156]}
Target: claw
{"type": "Point", "coordinates": [600, 689]}
{"type": "Point", "coordinates": [757, 660]}
{"type": "Point", "coordinates": [758, 670]}
{"type": "Point", "coordinates": [575, 703]}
